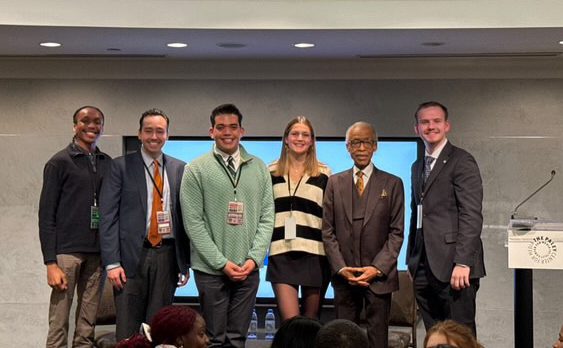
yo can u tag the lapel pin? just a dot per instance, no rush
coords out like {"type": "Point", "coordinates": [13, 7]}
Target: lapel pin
{"type": "Point", "coordinates": [383, 194]}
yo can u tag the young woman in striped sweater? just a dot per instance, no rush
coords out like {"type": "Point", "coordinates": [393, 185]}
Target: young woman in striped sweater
{"type": "Point", "coordinates": [297, 258]}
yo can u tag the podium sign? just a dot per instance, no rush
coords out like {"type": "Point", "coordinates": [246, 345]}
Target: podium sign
{"type": "Point", "coordinates": [535, 245]}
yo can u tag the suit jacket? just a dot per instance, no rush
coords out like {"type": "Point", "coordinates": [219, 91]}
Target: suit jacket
{"type": "Point", "coordinates": [123, 210]}
{"type": "Point", "coordinates": [382, 233]}
{"type": "Point", "coordinates": [452, 220]}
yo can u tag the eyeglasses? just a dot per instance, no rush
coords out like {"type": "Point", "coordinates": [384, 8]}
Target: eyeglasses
{"type": "Point", "coordinates": [356, 144]}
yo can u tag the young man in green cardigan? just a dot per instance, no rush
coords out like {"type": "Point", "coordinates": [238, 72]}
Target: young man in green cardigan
{"type": "Point", "coordinates": [228, 211]}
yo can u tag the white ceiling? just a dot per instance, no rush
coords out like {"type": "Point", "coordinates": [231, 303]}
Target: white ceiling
{"type": "Point", "coordinates": [268, 29]}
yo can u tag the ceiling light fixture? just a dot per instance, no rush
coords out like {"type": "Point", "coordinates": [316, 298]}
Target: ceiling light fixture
{"type": "Point", "coordinates": [304, 45]}
{"type": "Point", "coordinates": [561, 42]}
{"type": "Point", "coordinates": [177, 44]}
{"type": "Point", "coordinates": [50, 44]}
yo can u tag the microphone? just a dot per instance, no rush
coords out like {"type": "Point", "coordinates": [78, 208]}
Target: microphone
{"type": "Point", "coordinates": [514, 213]}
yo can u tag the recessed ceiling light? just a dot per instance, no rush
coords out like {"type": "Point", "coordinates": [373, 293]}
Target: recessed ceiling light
{"type": "Point", "coordinates": [50, 44]}
{"type": "Point", "coordinates": [561, 42]}
{"type": "Point", "coordinates": [177, 44]}
{"type": "Point", "coordinates": [304, 45]}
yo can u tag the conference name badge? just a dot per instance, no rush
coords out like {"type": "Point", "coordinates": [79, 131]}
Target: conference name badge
{"type": "Point", "coordinates": [419, 216]}
{"type": "Point", "coordinates": [163, 220]}
{"type": "Point", "coordinates": [290, 228]}
{"type": "Point", "coordinates": [235, 214]}
{"type": "Point", "coordinates": [94, 217]}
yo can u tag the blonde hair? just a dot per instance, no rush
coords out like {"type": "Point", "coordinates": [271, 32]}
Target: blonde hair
{"type": "Point", "coordinates": [312, 163]}
{"type": "Point", "coordinates": [456, 334]}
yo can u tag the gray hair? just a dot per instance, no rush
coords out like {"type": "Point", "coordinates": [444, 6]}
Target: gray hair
{"type": "Point", "coordinates": [362, 124]}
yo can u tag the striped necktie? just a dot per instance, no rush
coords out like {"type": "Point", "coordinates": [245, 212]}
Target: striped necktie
{"type": "Point", "coordinates": [231, 166]}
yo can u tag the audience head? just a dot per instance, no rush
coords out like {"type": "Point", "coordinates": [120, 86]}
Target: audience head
{"type": "Point", "coordinates": [559, 342]}
{"type": "Point", "coordinates": [298, 140]}
{"type": "Point", "coordinates": [341, 333]}
{"type": "Point", "coordinates": [297, 332]}
{"type": "Point", "coordinates": [179, 326]}
{"type": "Point", "coordinates": [449, 333]}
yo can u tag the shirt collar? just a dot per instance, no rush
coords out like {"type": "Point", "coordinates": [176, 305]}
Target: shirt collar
{"type": "Point", "coordinates": [149, 160]}
{"type": "Point", "coordinates": [367, 170]}
{"type": "Point", "coordinates": [225, 156]}
{"type": "Point", "coordinates": [438, 150]}
{"type": "Point", "coordinates": [75, 150]}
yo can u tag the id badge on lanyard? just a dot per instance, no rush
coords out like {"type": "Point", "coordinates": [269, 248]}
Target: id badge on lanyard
{"type": "Point", "coordinates": [163, 220]}
{"type": "Point", "coordinates": [419, 216]}
{"type": "Point", "coordinates": [94, 217]}
{"type": "Point", "coordinates": [235, 213]}
{"type": "Point", "coordinates": [290, 228]}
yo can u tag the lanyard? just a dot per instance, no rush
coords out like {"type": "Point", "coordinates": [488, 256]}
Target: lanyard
{"type": "Point", "coordinates": [294, 192]}
{"type": "Point", "coordinates": [237, 179]}
{"type": "Point", "coordinates": [163, 176]}
{"type": "Point", "coordinates": [94, 177]}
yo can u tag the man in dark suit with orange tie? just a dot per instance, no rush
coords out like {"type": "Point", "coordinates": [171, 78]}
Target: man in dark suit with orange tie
{"type": "Point", "coordinates": [363, 221]}
{"type": "Point", "coordinates": [144, 245]}
{"type": "Point", "coordinates": [445, 252]}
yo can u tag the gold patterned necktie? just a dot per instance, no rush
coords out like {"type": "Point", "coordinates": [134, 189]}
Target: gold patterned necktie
{"type": "Point", "coordinates": [154, 237]}
{"type": "Point", "coordinates": [360, 182]}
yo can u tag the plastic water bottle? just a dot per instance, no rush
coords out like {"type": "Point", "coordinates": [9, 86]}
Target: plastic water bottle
{"type": "Point", "coordinates": [270, 324]}
{"type": "Point", "coordinates": [253, 328]}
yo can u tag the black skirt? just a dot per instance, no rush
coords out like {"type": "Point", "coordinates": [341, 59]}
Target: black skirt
{"type": "Point", "coordinates": [298, 268]}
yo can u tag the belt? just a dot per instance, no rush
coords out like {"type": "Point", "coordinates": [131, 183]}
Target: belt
{"type": "Point", "coordinates": [163, 242]}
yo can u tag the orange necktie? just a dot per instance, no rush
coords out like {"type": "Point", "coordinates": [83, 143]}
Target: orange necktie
{"type": "Point", "coordinates": [154, 236]}
{"type": "Point", "coordinates": [360, 182]}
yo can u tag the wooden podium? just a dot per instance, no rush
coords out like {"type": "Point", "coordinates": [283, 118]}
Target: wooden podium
{"type": "Point", "coordinates": [532, 244]}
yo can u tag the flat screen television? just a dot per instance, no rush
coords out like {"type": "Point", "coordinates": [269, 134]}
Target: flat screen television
{"type": "Point", "coordinates": [394, 155]}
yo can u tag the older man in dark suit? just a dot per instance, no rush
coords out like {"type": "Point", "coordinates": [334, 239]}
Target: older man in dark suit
{"type": "Point", "coordinates": [144, 246]}
{"type": "Point", "coordinates": [363, 232]}
{"type": "Point", "coordinates": [445, 252]}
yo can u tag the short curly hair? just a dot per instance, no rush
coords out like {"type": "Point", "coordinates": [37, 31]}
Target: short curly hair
{"type": "Point", "coordinates": [172, 322]}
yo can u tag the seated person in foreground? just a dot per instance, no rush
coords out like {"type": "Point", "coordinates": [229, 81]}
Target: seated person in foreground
{"type": "Point", "coordinates": [449, 333]}
{"type": "Point", "coordinates": [171, 327]}
{"type": "Point", "coordinates": [297, 332]}
{"type": "Point", "coordinates": [341, 333]}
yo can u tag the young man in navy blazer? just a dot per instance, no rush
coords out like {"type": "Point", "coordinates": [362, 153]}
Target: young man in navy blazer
{"type": "Point", "coordinates": [144, 246]}
{"type": "Point", "coordinates": [445, 252]}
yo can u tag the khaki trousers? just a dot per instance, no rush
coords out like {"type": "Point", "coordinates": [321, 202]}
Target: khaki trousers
{"type": "Point", "coordinates": [83, 273]}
